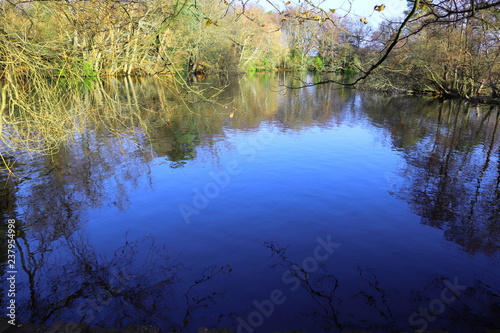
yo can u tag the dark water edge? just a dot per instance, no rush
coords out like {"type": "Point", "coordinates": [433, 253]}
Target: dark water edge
{"type": "Point", "coordinates": [322, 209]}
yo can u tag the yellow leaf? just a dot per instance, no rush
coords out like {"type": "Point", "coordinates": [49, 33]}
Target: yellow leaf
{"type": "Point", "coordinates": [363, 20]}
{"type": "Point", "coordinates": [333, 11]}
{"type": "Point", "coordinates": [208, 23]}
{"type": "Point", "coordinates": [379, 8]}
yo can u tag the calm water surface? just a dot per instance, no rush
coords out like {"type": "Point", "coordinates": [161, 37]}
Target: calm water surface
{"type": "Point", "coordinates": [319, 209]}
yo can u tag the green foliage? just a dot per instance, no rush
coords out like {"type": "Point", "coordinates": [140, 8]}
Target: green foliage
{"type": "Point", "coordinates": [318, 65]}
{"type": "Point", "coordinates": [83, 39]}
{"type": "Point", "coordinates": [260, 65]}
{"type": "Point", "coordinates": [296, 60]}
{"type": "Point", "coordinates": [79, 69]}
{"type": "Point", "coordinates": [87, 69]}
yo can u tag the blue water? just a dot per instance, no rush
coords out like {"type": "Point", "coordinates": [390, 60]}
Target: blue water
{"type": "Point", "coordinates": [337, 176]}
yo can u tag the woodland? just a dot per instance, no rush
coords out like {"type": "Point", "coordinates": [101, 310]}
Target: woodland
{"type": "Point", "coordinates": [448, 47]}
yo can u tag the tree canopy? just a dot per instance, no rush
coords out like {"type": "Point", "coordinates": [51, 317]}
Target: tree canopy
{"type": "Point", "coordinates": [451, 47]}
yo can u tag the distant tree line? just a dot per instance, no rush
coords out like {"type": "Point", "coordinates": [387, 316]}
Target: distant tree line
{"type": "Point", "coordinates": [449, 47]}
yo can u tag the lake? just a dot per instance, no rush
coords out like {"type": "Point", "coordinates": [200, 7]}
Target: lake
{"type": "Point", "coordinates": [266, 209]}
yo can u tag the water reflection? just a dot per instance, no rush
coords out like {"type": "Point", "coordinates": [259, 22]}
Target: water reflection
{"type": "Point", "coordinates": [138, 284]}
{"type": "Point", "coordinates": [452, 172]}
{"type": "Point", "coordinates": [374, 304]}
{"type": "Point", "coordinates": [75, 204]}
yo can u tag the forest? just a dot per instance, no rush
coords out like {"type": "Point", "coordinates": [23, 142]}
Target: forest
{"type": "Point", "coordinates": [447, 47]}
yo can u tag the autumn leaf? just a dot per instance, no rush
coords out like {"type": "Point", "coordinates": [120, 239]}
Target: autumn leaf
{"type": "Point", "coordinates": [363, 20]}
{"type": "Point", "coordinates": [208, 23]}
{"type": "Point", "coordinates": [287, 3]}
{"type": "Point", "coordinates": [333, 11]}
{"type": "Point", "coordinates": [379, 8]}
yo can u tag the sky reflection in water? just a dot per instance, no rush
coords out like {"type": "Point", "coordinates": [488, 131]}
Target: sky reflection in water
{"type": "Point", "coordinates": [211, 218]}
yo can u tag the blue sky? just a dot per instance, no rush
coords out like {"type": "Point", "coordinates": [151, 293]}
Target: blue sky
{"type": "Point", "coordinates": [360, 8]}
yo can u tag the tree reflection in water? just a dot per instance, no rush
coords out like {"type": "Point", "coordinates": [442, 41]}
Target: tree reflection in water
{"type": "Point", "coordinates": [126, 125]}
{"type": "Point", "coordinates": [7, 205]}
{"type": "Point", "coordinates": [452, 171]}
{"type": "Point", "coordinates": [375, 306]}
{"type": "Point", "coordinates": [451, 180]}
{"type": "Point", "coordinates": [68, 275]}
